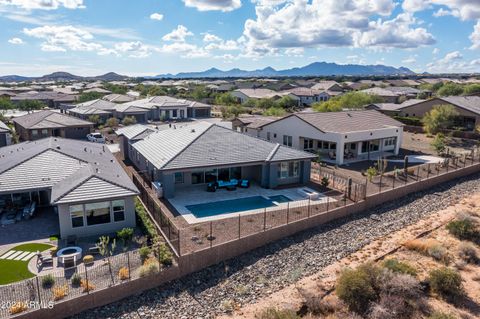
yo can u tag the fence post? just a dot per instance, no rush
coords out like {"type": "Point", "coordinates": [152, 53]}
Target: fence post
{"type": "Point", "coordinates": [308, 211]}
{"type": "Point", "coordinates": [128, 264]}
{"type": "Point", "coordinates": [38, 292]}
{"type": "Point", "coordinates": [328, 201]}
{"type": "Point", "coordinates": [211, 234]}
{"type": "Point", "coordinates": [380, 184]}
{"type": "Point", "coordinates": [288, 211]}
{"type": "Point", "coordinates": [264, 219]}
{"type": "Point", "coordinates": [239, 226]}
{"type": "Point", "coordinates": [394, 178]}
{"type": "Point", "coordinates": [418, 172]}
{"type": "Point", "coordinates": [428, 170]}
{"type": "Point", "coordinates": [86, 281]}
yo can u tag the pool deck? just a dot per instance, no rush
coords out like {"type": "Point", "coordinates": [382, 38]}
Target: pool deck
{"type": "Point", "coordinates": [199, 195]}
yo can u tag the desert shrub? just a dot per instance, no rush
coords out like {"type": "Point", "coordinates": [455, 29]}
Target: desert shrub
{"type": "Point", "coordinates": [446, 282]}
{"type": "Point", "coordinates": [87, 259]}
{"type": "Point", "coordinates": [76, 280]}
{"type": "Point", "coordinates": [274, 313]}
{"type": "Point", "coordinates": [400, 267]}
{"type": "Point", "coordinates": [144, 221]}
{"type": "Point", "coordinates": [86, 285]}
{"type": "Point", "coordinates": [467, 252]}
{"type": "Point", "coordinates": [441, 315]}
{"type": "Point", "coordinates": [18, 307]}
{"type": "Point", "coordinates": [125, 235]}
{"type": "Point", "coordinates": [59, 292]}
{"type": "Point", "coordinates": [144, 253]}
{"type": "Point", "coordinates": [149, 267]}
{"type": "Point", "coordinates": [463, 229]}
{"type": "Point", "coordinates": [358, 287]}
{"type": "Point", "coordinates": [429, 247]}
{"type": "Point", "coordinates": [48, 281]}
{"type": "Point", "coordinates": [325, 181]}
{"type": "Point", "coordinates": [123, 273]}
{"type": "Point", "coordinates": [165, 256]}
{"type": "Point", "coordinates": [316, 304]}
{"type": "Point", "coordinates": [439, 253]}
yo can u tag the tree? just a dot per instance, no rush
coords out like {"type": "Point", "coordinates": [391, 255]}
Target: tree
{"type": "Point", "coordinates": [286, 102]}
{"type": "Point", "coordinates": [439, 143]}
{"type": "Point", "coordinates": [225, 99]}
{"type": "Point", "coordinates": [265, 103]}
{"type": "Point", "coordinates": [115, 88]}
{"type": "Point", "coordinates": [95, 119]}
{"type": "Point", "coordinates": [199, 93]}
{"type": "Point", "coordinates": [30, 105]}
{"type": "Point", "coordinates": [350, 100]}
{"type": "Point", "coordinates": [6, 104]}
{"type": "Point", "coordinates": [89, 96]}
{"type": "Point", "coordinates": [274, 111]}
{"type": "Point", "coordinates": [111, 122]}
{"type": "Point", "coordinates": [438, 118]}
{"type": "Point", "coordinates": [129, 120]}
{"type": "Point", "coordinates": [450, 89]}
{"type": "Point", "coordinates": [471, 89]}
{"type": "Point", "coordinates": [250, 103]}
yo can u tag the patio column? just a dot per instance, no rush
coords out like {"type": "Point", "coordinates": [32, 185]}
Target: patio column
{"type": "Point", "coordinates": [397, 145]}
{"type": "Point", "coordinates": [340, 151]}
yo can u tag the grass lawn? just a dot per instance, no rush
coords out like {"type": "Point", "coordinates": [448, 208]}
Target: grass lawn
{"type": "Point", "coordinates": [16, 270]}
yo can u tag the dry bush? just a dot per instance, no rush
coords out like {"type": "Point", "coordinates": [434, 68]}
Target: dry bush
{"type": "Point", "coordinates": [274, 313]}
{"type": "Point", "coordinates": [397, 266]}
{"type": "Point", "coordinates": [86, 285]}
{"type": "Point", "coordinates": [318, 305]}
{"type": "Point", "coordinates": [123, 273]}
{"type": "Point", "coordinates": [151, 266]}
{"type": "Point", "coordinates": [59, 292]}
{"type": "Point", "coordinates": [18, 307]}
{"type": "Point", "coordinates": [467, 252]}
{"type": "Point", "coordinates": [429, 247]}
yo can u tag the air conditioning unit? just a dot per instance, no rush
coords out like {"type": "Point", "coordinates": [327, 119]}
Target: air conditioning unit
{"type": "Point", "coordinates": [158, 188]}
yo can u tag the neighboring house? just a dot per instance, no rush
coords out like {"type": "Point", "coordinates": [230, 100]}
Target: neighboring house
{"type": "Point", "coordinates": [307, 97]}
{"type": "Point", "coordinates": [393, 109]}
{"type": "Point", "coordinates": [131, 134]}
{"type": "Point", "coordinates": [337, 136]}
{"type": "Point", "coordinates": [104, 109]}
{"type": "Point", "coordinates": [243, 95]}
{"type": "Point", "coordinates": [51, 99]}
{"type": "Point", "coordinates": [97, 90]}
{"type": "Point", "coordinates": [468, 108]}
{"type": "Point", "coordinates": [327, 86]}
{"type": "Point", "coordinates": [159, 108]}
{"type": "Point", "coordinates": [394, 94]}
{"type": "Point", "coordinates": [250, 123]}
{"type": "Point", "coordinates": [193, 155]}
{"type": "Point", "coordinates": [118, 98]}
{"type": "Point", "coordinates": [48, 123]}
{"type": "Point", "coordinates": [87, 187]}
{"type": "Point", "coordinates": [5, 135]}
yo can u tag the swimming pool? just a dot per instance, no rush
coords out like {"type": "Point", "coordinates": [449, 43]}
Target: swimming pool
{"type": "Point", "coordinates": [236, 205]}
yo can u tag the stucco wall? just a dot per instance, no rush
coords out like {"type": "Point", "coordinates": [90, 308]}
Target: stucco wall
{"type": "Point", "coordinates": [66, 223]}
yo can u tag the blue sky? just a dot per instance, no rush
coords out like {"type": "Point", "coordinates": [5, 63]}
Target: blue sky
{"type": "Point", "coordinates": [148, 37]}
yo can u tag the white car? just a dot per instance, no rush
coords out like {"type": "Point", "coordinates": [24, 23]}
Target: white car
{"type": "Point", "coordinates": [96, 137]}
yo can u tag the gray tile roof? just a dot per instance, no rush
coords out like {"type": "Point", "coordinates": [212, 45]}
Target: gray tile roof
{"type": "Point", "coordinates": [118, 98]}
{"type": "Point", "coordinates": [62, 165]}
{"type": "Point", "coordinates": [206, 144]}
{"type": "Point", "coordinates": [394, 106]}
{"type": "Point", "coordinates": [470, 103]}
{"type": "Point", "coordinates": [157, 102]}
{"type": "Point", "coordinates": [4, 128]}
{"type": "Point", "coordinates": [347, 121]}
{"type": "Point", "coordinates": [132, 131]}
{"type": "Point", "coordinates": [55, 96]}
{"type": "Point", "coordinates": [98, 104]}
{"type": "Point", "coordinates": [48, 119]}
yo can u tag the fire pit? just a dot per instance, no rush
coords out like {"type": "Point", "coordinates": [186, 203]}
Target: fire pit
{"type": "Point", "coordinates": [69, 252]}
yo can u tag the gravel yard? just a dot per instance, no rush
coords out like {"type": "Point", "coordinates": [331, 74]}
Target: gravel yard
{"type": "Point", "coordinates": [256, 274]}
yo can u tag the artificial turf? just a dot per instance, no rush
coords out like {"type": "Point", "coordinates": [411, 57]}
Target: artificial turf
{"type": "Point", "coordinates": [16, 270]}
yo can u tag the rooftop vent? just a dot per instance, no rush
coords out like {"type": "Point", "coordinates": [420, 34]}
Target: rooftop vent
{"type": "Point", "coordinates": [349, 114]}
{"type": "Point", "coordinates": [84, 149]}
{"type": "Point", "coordinates": [58, 147]}
{"type": "Point", "coordinates": [193, 130]}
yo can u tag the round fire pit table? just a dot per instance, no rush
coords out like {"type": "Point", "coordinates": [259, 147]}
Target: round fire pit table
{"type": "Point", "coordinates": [69, 252]}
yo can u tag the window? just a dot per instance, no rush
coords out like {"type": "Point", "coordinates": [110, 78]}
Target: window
{"type": "Point", "coordinates": [288, 170]}
{"type": "Point", "coordinates": [76, 215]}
{"type": "Point", "coordinates": [268, 136]}
{"type": "Point", "coordinates": [118, 208]}
{"type": "Point", "coordinates": [198, 178]}
{"type": "Point", "coordinates": [34, 133]}
{"type": "Point", "coordinates": [390, 141]}
{"type": "Point", "coordinates": [307, 144]}
{"type": "Point", "coordinates": [287, 140]}
{"type": "Point", "coordinates": [211, 176]}
{"type": "Point", "coordinates": [44, 132]}
{"type": "Point", "coordinates": [223, 174]}
{"type": "Point", "coordinates": [274, 135]}
{"type": "Point", "coordinates": [235, 172]}
{"type": "Point", "coordinates": [178, 178]}
{"type": "Point", "coordinates": [174, 113]}
{"type": "Point", "coordinates": [97, 213]}
{"type": "Point", "coordinates": [333, 146]}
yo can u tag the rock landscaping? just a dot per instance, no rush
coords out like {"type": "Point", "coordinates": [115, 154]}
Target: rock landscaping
{"type": "Point", "coordinates": [222, 288]}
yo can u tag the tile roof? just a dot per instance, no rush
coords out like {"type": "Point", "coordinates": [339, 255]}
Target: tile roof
{"type": "Point", "coordinates": [206, 144]}
{"type": "Point", "coordinates": [55, 96]}
{"type": "Point", "coordinates": [4, 128]}
{"type": "Point", "coordinates": [470, 103]}
{"type": "Point", "coordinates": [132, 131]}
{"type": "Point", "coordinates": [157, 102]}
{"type": "Point", "coordinates": [395, 106]}
{"type": "Point", "coordinates": [48, 119]}
{"type": "Point", "coordinates": [260, 93]}
{"type": "Point", "coordinates": [118, 98]}
{"type": "Point", "coordinates": [325, 85]}
{"type": "Point", "coordinates": [63, 166]}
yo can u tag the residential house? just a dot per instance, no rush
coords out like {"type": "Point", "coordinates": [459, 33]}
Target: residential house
{"type": "Point", "coordinates": [99, 107]}
{"type": "Point", "coordinates": [5, 135]}
{"type": "Point", "coordinates": [51, 99]}
{"type": "Point", "coordinates": [307, 97]}
{"type": "Point", "coordinates": [82, 182]}
{"type": "Point", "coordinates": [392, 109]}
{"type": "Point", "coordinates": [131, 134]}
{"type": "Point", "coordinates": [251, 123]}
{"type": "Point", "coordinates": [395, 94]}
{"type": "Point", "coordinates": [193, 155]}
{"type": "Point", "coordinates": [48, 123]}
{"type": "Point", "coordinates": [118, 98]}
{"type": "Point", "coordinates": [338, 137]}
{"type": "Point", "coordinates": [243, 95]}
{"type": "Point", "coordinates": [328, 86]}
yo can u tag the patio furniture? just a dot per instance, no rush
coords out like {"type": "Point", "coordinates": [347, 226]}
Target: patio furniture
{"type": "Point", "coordinates": [211, 187]}
{"type": "Point", "coordinates": [94, 250]}
{"type": "Point", "coordinates": [224, 184]}
{"type": "Point", "coordinates": [308, 193]}
{"type": "Point", "coordinates": [67, 253]}
{"type": "Point", "coordinates": [69, 262]}
{"type": "Point", "coordinates": [332, 155]}
{"type": "Point", "coordinates": [244, 183]}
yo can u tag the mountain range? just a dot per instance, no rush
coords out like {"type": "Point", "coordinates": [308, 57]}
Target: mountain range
{"type": "Point", "coordinates": [64, 76]}
{"type": "Point", "coordinates": [313, 69]}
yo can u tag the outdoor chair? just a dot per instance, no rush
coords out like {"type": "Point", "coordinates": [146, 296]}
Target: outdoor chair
{"type": "Point", "coordinates": [69, 262]}
{"type": "Point", "coordinates": [244, 183]}
{"type": "Point", "coordinates": [211, 187]}
{"type": "Point", "coordinates": [332, 155]}
{"type": "Point", "coordinates": [94, 250]}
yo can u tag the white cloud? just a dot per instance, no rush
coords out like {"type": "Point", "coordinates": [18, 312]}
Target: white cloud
{"type": "Point", "coordinates": [453, 62]}
{"type": "Point", "coordinates": [134, 49]}
{"type": "Point", "coordinates": [177, 35]}
{"type": "Point", "coordinates": [186, 50]}
{"type": "Point", "coordinates": [409, 60]}
{"type": "Point", "coordinates": [296, 52]}
{"type": "Point", "coordinates": [208, 37]}
{"type": "Point", "coordinates": [436, 51]}
{"type": "Point", "coordinates": [229, 45]}
{"type": "Point", "coordinates": [475, 37]}
{"type": "Point", "coordinates": [15, 41]}
{"type": "Point", "coordinates": [156, 16]}
{"type": "Point", "coordinates": [43, 4]}
{"type": "Point", "coordinates": [442, 13]}
{"type": "Point", "coordinates": [214, 5]}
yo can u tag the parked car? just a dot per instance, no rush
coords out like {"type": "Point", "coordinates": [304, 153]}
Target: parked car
{"type": "Point", "coordinates": [96, 137]}
{"type": "Point", "coordinates": [29, 210]}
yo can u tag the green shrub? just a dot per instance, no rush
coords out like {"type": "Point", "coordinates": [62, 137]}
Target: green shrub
{"type": "Point", "coordinates": [48, 281]}
{"type": "Point", "coordinates": [325, 182]}
{"type": "Point", "coordinates": [441, 315]}
{"type": "Point", "coordinates": [125, 235]}
{"type": "Point", "coordinates": [76, 280]}
{"type": "Point", "coordinates": [463, 229]}
{"type": "Point", "coordinates": [412, 121]}
{"type": "Point", "coordinates": [273, 313]}
{"type": "Point", "coordinates": [165, 256]}
{"type": "Point", "coordinates": [358, 287]}
{"type": "Point", "coordinates": [467, 252]}
{"type": "Point", "coordinates": [144, 253]}
{"type": "Point", "coordinates": [147, 226]}
{"type": "Point", "coordinates": [399, 267]}
{"type": "Point", "coordinates": [446, 282]}
{"type": "Point", "coordinates": [150, 267]}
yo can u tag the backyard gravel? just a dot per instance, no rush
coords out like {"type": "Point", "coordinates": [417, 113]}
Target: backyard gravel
{"type": "Point", "coordinates": [262, 271]}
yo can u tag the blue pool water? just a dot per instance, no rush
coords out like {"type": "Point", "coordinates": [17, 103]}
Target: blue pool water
{"type": "Point", "coordinates": [235, 205]}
